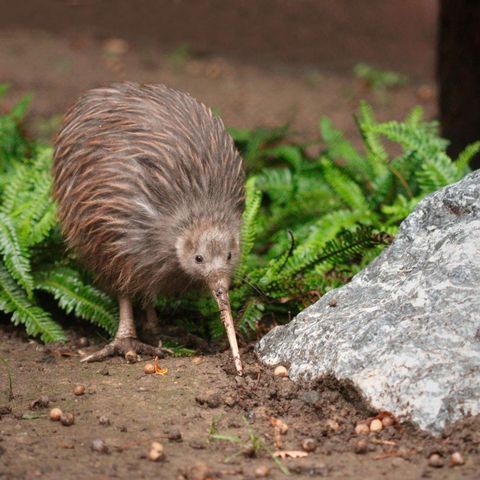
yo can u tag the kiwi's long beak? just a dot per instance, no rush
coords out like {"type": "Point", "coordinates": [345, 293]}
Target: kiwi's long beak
{"type": "Point", "coordinates": [220, 294]}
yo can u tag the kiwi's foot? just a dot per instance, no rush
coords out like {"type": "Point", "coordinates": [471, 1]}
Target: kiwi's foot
{"type": "Point", "coordinates": [120, 346]}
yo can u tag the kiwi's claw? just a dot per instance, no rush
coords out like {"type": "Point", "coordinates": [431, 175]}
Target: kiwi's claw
{"type": "Point", "coordinates": [120, 346]}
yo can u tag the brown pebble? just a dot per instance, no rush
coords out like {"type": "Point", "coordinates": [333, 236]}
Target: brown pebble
{"type": "Point", "coordinates": [362, 429]}
{"type": "Point", "coordinates": [55, 414]}
{"type": "Point", "coordinates": [200, 471]}
{"type": "Point", "coordinates": [131, 356]}
{"type": "Point", "coordinates": [104, 420]}
{"type": "Point", "coordinates": [175, 436]}
{"type": "Point", "coordinates": [388, 421]}
{"type": "Point", "coordinates": [332, 302]}
{"type": "Point", "coordinates": [230, 401]}
{"type": "Point", "coordinates": [309, 444]}
{"type": "Point", "coordinates": [280, 371]}
{"type": "Point", "coordinates": [262, 471]}
{"type": "Point", "coordinates": [456, 459]}
{"type": "Point", "coordinates": [212, 400]}
{"type": "Point", "coordinates": [376, 425]}
{"type": "Point", "coordinates": [156, 452]}
{"type": "Point", "coordinates": [99, 446]}
{"type": "Point", "coordinates": [361, 446]}
{"type": "Point", "coordinates": [435, 461]}
{"type": "Point", "coordinates": [149, 368]}
{"type": "Point", "coordinates": [67, 419]}
{"type": "Point", "coordinates": [79, 390]}
{"type": "Point", "coordinates": [41, 402]}
{"type": "Point", "coordinates": [332, 425]}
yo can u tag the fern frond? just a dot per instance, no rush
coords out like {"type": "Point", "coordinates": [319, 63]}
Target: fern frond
{"type": "Point", "coordinates": [436, 173]}
{"type": "Point", "coordinates": [15, 257]}
{"type": "Point", "coordinates": [253, 200]}
{"type": "Point", "coordinates": [36, 320]}
{"type": "Point", "coordinates": [464, 157]}
{"type": "Point", "coordinates": [73, 295]}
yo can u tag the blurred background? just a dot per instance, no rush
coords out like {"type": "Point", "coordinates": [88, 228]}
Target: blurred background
{"type": "Point", "coordinates": [257, 63]}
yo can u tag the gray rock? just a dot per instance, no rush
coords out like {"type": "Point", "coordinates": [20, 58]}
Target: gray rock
{"type": "Point", "coordinates": [404, 330]}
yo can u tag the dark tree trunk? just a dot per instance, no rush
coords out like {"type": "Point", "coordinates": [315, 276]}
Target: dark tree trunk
{"type": "Point", "coordinates": [458, 67]}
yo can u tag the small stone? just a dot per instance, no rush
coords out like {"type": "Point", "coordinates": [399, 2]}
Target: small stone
{"type": "Point", "coordinates": [388, 421]}
{"type": "Point", "coordinates": [332, 425]}
{"type": "Point", "coordinates": [197, 445]}
{"type": "Point", "coordinates": [197, 360]}
{"type": "Point", "coordinates": [212, 400]}
{"type": "Point", "coordinates": [376, 425]}
{"type": "Point", "coordinates": [309, 444]}
{"type": "Point", "coordinates": [262, 471]}
{"type": "Point", "coordinates": [456, 459]}
{"type": "Point", "coordinates": [104, 420]}
{"type": "Point", "coordinates": [361, 446]}
{"type": "Point", "coordinates": [200, 471]}
{"type": "Point", "coordinates": [79, 390]}
{"type": "Point", "coordinates": [280, 371]}
{"type": "Point", "coordinates": [67, 419]}
{"type": "Point", "coordinates": [131, 356]}
{"type": "Point", "coordinates": [156, 452]}
{"type": "Point", "coordinates": [55, 414]}
{"type": "Point", "coordinates": [149, 368]}
{"type": "Point", "coordinates": [41, 402]}
{"type": "Point", "coordinates": [362, 429]}
{"type": "Point", "coordinates": [435, 461]}
{"type": "Point", "coordinates": [332, 302]}
{"type": "Point", "coordinates": [83, 342]}
{"type": "Point", "coordinates": [99, 446]}
{"type": "Point", "coordinates": [175, 436]}
{"type": "Point", "coordinates": [230, 401]}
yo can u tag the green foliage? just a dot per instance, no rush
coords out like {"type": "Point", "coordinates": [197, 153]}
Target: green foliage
{"type": "Point", "coordinates": [377, 79]}
{"type": "Point", "coordinates": [310, 222]}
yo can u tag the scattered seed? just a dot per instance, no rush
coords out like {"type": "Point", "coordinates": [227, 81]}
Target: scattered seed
{"type": "Point", "coordinates": [361, 446]}
{"type": "Point", "coordinates": [131, 356]}
{"type": "Point", "coordinates": [83, 342]}
{"type": "Point", "coordinates": [196, 360]}
{"type": "Point", "coordinates": [149, 368]}
{"type": "Point", "coordinates": [387, 421]}
{"type": "Point", "coordinates": [99, 446]}
{"type": "Point", "coordinates": [104, 420]}
{"type": "Point", "coordinates": [55, 414]}
{"type": "Point", "coordinates": [435, 461]}
{"type": "Point", "coordinates": [332, 303]}
{"type": "Point", "coordinates": [376, 425]}
{"type": "Point", "coordinates": [79, 390]}
{"type": "Point", "coordinates": [456, 459]}
{"type": "Point", "coordinates": [156, 452]}
{"type": "Point", "coordinates": [41, 402]}
{"type": "Point", "coordinates": [262, 471]}
{"type": "Point", "coordinates": [309, 444]}
{"type": "Point", "coordinates": [67, 419]}
{"type": "Point", "coordinates": [280, 371]}
{"type": "Point", "coordinates": [362, 429]}
{"type": "Point", "coordinates": [175, 436]}
{"type": "Point", "coordinates": [200, 471]}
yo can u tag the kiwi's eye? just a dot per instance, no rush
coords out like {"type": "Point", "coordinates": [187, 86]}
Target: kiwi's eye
{"type": "Point", "coordinates": [198, 258]}
{"type": "Point", "coordinates": [229, 256]}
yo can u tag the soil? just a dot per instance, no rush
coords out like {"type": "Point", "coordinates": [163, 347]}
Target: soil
{"type": "Point", "coordinates": [205, 417]}
{"type": "Point", "coordinates": [124, 410]}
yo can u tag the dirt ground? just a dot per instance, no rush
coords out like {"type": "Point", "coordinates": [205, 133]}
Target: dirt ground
{"type": "Point", "coordinates": [199, 397]}
{"type": "Point", "coordinates": [211, 423]}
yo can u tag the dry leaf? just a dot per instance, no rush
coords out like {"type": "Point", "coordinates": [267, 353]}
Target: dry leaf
{"type": "Point", "coordinates": [158, 370]}
{"type": "Point", "coordinates": [290, 454]}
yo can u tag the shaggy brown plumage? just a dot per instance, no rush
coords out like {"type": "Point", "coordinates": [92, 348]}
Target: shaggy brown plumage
{"type": "Point", "coordinates": [150, 190]}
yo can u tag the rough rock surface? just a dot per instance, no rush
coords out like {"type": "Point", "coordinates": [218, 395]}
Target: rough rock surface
{"type": "Point", "coordinates": [405, 330]}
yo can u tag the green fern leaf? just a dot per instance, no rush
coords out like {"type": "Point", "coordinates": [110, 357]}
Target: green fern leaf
{"type": "Point", "coordinates": [463, 159]}
{"type": "Point", "coordinates": [37, 321]}
{"type": "Point", "coordinates": [73, 295]}
{"type": "Point", "coordinates": [15, 257]}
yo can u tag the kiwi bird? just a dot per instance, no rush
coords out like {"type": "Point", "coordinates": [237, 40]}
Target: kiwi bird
{"type": "Point", "coordinates": [150, 193]}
